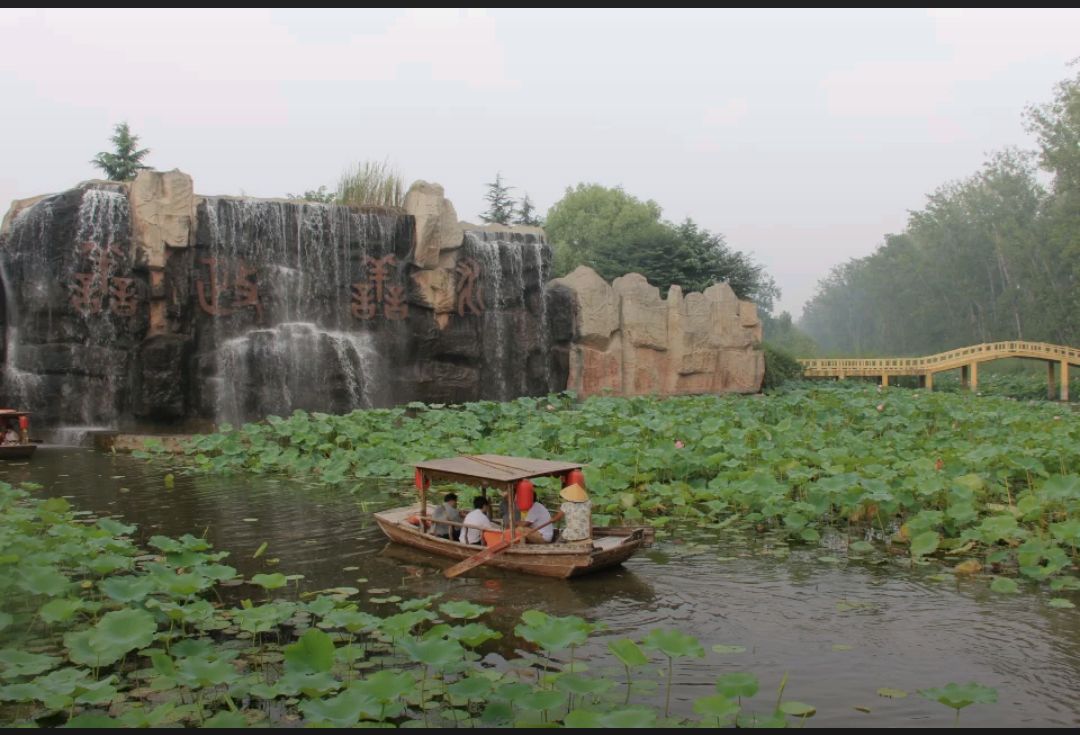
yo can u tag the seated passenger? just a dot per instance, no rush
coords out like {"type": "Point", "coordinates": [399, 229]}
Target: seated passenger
{"type": "Point", "coordinates": [11, 435]}
{"type": "Point", "coordinates": [476, 521]}
{"type": "Point", "coordinates": [446, 512]}
{"type": "Point", "coordinates": [538, 516]}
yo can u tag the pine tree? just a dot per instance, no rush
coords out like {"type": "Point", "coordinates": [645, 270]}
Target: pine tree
{"type": "Point", "coordinates": [526, 214]}
{"type": "Point", "coordinates": [126, 161]}
{"type": "Point", "coordinates": [501, 206]}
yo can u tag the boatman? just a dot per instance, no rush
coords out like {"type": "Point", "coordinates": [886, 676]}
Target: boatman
{"type": "Point", "coordinates": [578, 513]}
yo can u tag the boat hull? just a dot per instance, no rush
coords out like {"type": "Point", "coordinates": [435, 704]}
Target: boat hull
{"type": "Point", "coordinates": [546, 560]}
{"type": "Point", "coordinates": [18, 451]}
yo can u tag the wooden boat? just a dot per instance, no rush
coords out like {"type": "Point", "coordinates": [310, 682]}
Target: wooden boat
{"type": "Point", "coordinates": [608, 547]}
{"type": "Point", "coordinates": [24, 449]}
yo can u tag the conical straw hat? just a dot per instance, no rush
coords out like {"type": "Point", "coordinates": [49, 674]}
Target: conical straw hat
{"type": "Point", "coordinates": [574, 493]}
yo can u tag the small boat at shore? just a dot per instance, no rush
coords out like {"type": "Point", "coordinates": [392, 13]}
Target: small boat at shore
{"type": "Point", "coordinates": [609, 546]}
{"type": "Point", "coordinates": [17, 422]}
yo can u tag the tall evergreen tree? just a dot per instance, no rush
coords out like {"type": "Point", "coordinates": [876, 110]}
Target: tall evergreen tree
{"type": "Point", "coordinates": [126, 161]}
{"type": "Point", "coordinates": [527, 214]}
{"type": "Point", "coordinates": [500, 205]}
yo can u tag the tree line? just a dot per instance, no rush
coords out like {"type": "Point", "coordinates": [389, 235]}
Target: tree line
{"type": "Point", "coordinates": [995, 256]}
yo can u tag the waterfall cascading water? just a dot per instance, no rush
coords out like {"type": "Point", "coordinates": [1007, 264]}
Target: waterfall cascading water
{"type": "Point", "coordinates": [113, 317]}
{"type": "Point", "coordinates": [67, 352]}
{"type": "Point", "coordinates": [506, 263]}
{"type": "Point", "coordinates": [295, 365]}
{"type": "Point", "coordinates": [301, 347]}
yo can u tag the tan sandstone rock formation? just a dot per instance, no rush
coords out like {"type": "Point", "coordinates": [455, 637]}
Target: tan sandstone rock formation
{"type": "Point", "coordinates": [162, 214]}
{"type": "Point", "coordinates": [632, 342]}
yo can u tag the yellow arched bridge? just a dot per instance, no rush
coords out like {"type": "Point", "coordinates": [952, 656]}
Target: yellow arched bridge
{"type": "Point", "coordinates": [967, 359]}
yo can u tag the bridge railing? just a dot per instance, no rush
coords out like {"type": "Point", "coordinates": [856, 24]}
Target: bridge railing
{"type": "Point", "coordinates": [951, 358]}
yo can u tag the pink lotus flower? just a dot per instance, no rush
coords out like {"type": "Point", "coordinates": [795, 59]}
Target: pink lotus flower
{"type": "Point", "coordinates": [881, 407]}
{"type": "Point", "coordinates": [550, 407]}
{"type": "Point", "coordinates": [679, 444]}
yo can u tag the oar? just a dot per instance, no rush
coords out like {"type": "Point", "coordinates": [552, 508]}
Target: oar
{"type": "Point", "coordinates": [475, 561]}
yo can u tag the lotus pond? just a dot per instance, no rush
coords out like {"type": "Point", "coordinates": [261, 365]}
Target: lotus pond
{"type": "Point", "coordinates": [760, 605]}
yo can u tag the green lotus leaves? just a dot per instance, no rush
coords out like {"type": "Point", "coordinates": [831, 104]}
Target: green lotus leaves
{"type": "Point", "coordinates": [925, 543]}
{"type": "Point", "coordinates": [114, 527]}
{"type": "Point", "coordinates": [313, 653]}
{"type": "Point", "coordinates": [717, 706]}
{"type": "Point", "coordinates": [343, 710]}
{"type": "Point", "coordinates": [738, 684]}
{"type": "Point", "coordinates": [107, 563]}
{"type": "Point", "coordinates": [463, 609]}
{"type": "Point", "coordinates": [385, 686]}
{"type": "Point", "coordinates": [114, 635]}
{"type": "Point", "coordinates": [583, 718]}
{"type": "Point", "coordinates": [471, 687]}
{"type": "Point", "coordinates": [553, 633]}
{"type": "Point", "coordinates": [673, 643]}
{"type": "Point", "coordinates": [629, 717]}
{"type": "Point", "coordinates": [797, 709]}
{"type": "Point", "coordinates": [435, 653]}
{"type": "Point", "coordinates": [959, 696]}
{"type": "Point", "coordinates": [1004, 585]}
{"type": "Point", "coordinates": [473, 634]}
{"type": "Point", "coordinates": [128, 589]}
{"type": "Point", "coordinates": [59, 610]}
{"type": "Point", "coordinates": [580, 685]}
{"type": "Point", "coordinates": [628, 652]}
{"type": "Point", "coordinates": [15, 663]}
{"type": "Point", "coordinates": [270, 581]}
{"type": "Point", "coordinates": [541, 700]}
{"type": "Point", "coordinates": [44, 580]}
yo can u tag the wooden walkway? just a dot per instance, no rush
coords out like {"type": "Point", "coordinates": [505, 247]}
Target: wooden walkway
{"type": "Point", "coordinates": [966, 359]}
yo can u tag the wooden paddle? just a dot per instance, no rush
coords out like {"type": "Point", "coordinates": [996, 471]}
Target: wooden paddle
{"type": "Point", "coordinates": [474, 561]}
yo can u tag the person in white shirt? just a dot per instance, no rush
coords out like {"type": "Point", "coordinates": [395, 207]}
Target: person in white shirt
{"type": "Point", "coordinates": [476, 521]}
{"type": "Point", "coordinates": [538, 516]}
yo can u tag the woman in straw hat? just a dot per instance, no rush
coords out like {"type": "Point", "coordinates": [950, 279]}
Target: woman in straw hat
{"type": "Point", "coordinates": [578, 513]}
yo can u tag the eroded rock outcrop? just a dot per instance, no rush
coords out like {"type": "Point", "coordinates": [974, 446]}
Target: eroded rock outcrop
{"type": "Point", "coordinates": [630, 341]}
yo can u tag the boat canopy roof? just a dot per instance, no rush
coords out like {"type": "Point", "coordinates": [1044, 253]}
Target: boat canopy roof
{"type": "Point", "coordinates": [5, 412]}
{"type": "Point", "coordinates": [492, 469]}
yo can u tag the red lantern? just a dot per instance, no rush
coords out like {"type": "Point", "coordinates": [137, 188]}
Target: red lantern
{"type": "Point", "coordinates": [524, 495]}
{"type": "Point", "coordinates": [422, 482]}
{"type": "Point", "coordinates": [574, 477]}
{"type": "Point", "coordinates": [24, 423]}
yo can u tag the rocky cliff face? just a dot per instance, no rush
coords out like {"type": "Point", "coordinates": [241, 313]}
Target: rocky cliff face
{"type": "Point", "coordinates": [629, 341]}
{"type": "Point", "coordinates": [145, 302]}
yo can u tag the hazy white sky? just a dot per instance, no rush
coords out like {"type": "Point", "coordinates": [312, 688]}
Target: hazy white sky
{"type": "Point", "coordinates": [803, 136]}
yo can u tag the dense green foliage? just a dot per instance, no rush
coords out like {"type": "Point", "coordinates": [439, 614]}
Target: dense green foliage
{"type": "Point", "coordinates": [986, 477]}
{"type": "Point", "coordinates": [615, 233]}
{"type": "Point", "coordinates": [782, 334]}
{"type": "Point", "coordinates": [780, 367]}
{"type": "Point", "coordinates": [993, 257]}
{"type": "Point", "coordinates": [96, 631]}
{"type": "Point", "coordinates": [126, 160]}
